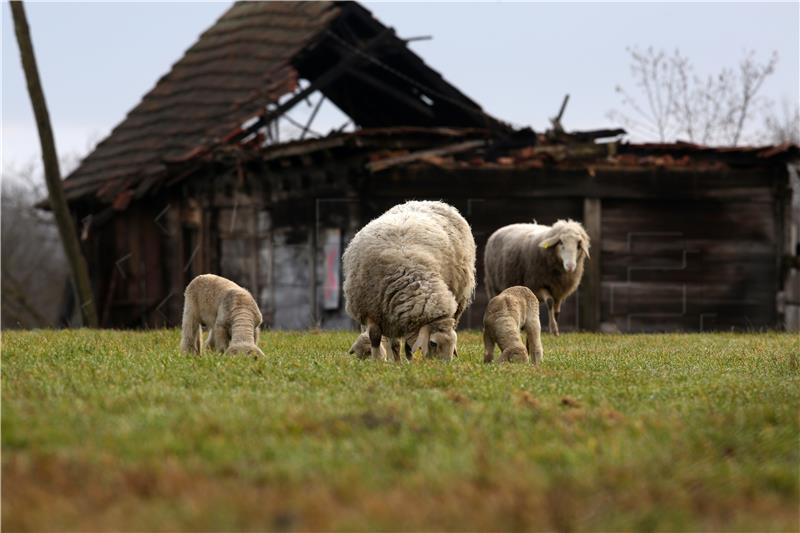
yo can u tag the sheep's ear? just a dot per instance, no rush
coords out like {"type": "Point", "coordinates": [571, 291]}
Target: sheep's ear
{"type": "Point", "coordinates": [547, 243]}
{"type": "Point", "coordinates": [422, 340]}
{"type": "Point", "coordinates": [586, 251]}
{"type": "Point", "coordinates": [455, 351]}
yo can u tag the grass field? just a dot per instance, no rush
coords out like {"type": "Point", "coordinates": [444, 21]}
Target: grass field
{"type": "Point", "coordinates": [118, 431]}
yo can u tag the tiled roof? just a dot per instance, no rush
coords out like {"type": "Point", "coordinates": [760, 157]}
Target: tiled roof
{"type": "Point", "coordinates": [252, 57]}
{"type": "Point", "coordinates": [235, 68]}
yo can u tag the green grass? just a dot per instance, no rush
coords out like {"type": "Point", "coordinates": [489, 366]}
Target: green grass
{"type": "Point", "coordinates": [119, 431]}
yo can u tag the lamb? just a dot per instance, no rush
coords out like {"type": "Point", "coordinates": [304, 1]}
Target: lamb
{"type": "Point", "coordinates": [363, 349]}
{"type": "Point", "coordinates": [513, 310]}
{"type": "Point", "coordinates": [227, 310]}
{"type": "Point", "coordinates": [548, 260]}
{"type": "Point", "coordinates": [411, 273]}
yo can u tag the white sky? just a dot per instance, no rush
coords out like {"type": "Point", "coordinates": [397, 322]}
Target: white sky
{"type": "Point", "coordinates": [517, 60]}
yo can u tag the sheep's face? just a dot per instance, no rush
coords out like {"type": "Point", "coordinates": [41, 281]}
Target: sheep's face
{"type": "Point", "coordinates": [362, 347]}
{"type": "Point", "coordinates": [244, 349]}
{"type": "Point", "coordinates": [571, 250]}
{"type": "Point", "coordinates": [437, 340]}
{"type": "Point", "coordinates": [514, 354]}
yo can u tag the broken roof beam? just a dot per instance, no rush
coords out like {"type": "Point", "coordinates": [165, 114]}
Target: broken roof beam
{"type": "Point", "coordinates": [409, 101]}
{"type": "Point", "coordinates": [383, 164]}
{"type": "Point", "coordinates": [451, 104]}
{"type": "Point", "coordinates": [318, 84]}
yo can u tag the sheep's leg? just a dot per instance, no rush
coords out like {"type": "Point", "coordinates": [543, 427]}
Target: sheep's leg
{"type": "Point", "coordinates": [556, 312]}
{"type": "Point", "coordinates": [488, 347]}
{"type": "Point", "coordinates": [543, 295]}
{"type": "Point", "coordinates": [552, 325]}
{"type": "Point", "coordinates": [209, 344]}
{"type": "Point", "coordinates": [221, 337]}
{"type": "Point", "coordinates": [190, 330]}
{"type": "Point", "coordinates": [533, 334]}
{"type": "Point", "coordinates": [374, 332]}
{"type": "Point", "coordinates": [394, 343]}
{"type": "Point", "coordinates": [503, 357]}
{"type": "Point", "coordinates": [407, 350]}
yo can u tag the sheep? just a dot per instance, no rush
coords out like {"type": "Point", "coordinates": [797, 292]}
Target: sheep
{"type": "Point", "coordinates": [362, 348]}
{"type": "Point", "coordinates": [227, 310]}
{"type": "Point", "coordinates": [411, 273]}
{"type": "Point", "coordinates": [513, 310]}
{"type": "Point", "coordinates": [548, 260]}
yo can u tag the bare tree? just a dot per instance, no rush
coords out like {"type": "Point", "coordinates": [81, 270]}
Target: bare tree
{"type": "Point", "coordinates": [58, 203]}
{"type": "Point", "coordinates": [673, 101]}
{"type": "Point", "coordinates": [783, 128]}
{"type": "Point", "coordinates": [33, 269]}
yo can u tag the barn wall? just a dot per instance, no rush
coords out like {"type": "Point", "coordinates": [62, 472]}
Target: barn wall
{"type": "Point", "coordinates": [678, 250]}
{"type": "Point", "coordinates": [672, 265]}
{"type": "Point", "coordinates": [127, 268]}
{"type": "Point", "coordinates": [790, 297]}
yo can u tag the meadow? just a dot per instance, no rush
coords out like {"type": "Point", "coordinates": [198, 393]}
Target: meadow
{"type": "Point", "coordinates": [111, 430]}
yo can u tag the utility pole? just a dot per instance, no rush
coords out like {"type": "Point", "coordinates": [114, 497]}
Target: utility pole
{"type": "Point", "coordinates": [52, 174]}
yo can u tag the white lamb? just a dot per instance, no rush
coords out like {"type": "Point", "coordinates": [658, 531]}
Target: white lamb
{"type": "Point", "coordinates": [546, 259]}
{"type": "Point", "coordinates": [411, 273]}
{"type": "Point", "coordinates": [226, 310]}
{"type": "Point", "coordinates": [362, 347]}
{"type": "Point", "coordinates": [514, 310]}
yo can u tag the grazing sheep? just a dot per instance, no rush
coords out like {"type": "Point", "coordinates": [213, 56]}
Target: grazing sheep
{"type": "Point", "coordinates": [546, 259]}
{"type": "Point", "coordinates": [227, 310]}
{"type": "Point", "coordinates": [513, 310]}
{"type": "Point", "coordinates": [411, 273]}
{"type": "Point", "coordinates": [363, 349]}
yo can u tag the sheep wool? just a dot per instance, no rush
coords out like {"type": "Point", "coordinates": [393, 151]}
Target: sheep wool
{"type": "Point", "coordinates": [411, 272]}
{"type": "Point", "coordinates": [226, 310]}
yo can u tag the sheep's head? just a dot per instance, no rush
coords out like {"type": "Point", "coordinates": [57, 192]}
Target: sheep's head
{"type": "Point", "coordinates": [569, 241]}
{"type": "Point", "coordinates": [362, 347]}
{"type": "Point", "coordinates": [514, 354]}
{"type": "Point", "coordinates": [438, 339]}
{"type": "Point", "coordinates": [244, 349]}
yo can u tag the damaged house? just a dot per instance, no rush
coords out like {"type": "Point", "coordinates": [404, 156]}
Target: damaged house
{"type": "Point", "coordinates": [197, 179]}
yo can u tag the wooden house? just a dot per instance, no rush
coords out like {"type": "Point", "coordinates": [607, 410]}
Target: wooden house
{"type": "Point", "coordinates": [194, 180]}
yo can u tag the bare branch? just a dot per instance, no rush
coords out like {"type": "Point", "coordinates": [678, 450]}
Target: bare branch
{"type": "Point", "coordinates": [712, 109]}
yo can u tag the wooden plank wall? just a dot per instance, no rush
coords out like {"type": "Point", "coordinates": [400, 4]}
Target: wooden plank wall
{"type": "Point", "coordinates": [673, 250]}
{"type": "Point", "coordinates": [676, 265]}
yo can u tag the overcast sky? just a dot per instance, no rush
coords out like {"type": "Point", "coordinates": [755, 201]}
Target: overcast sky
{"type": "Point", "coordinates": [517, 60]}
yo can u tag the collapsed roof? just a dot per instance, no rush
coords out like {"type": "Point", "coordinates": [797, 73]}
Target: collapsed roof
{"type": "Point", "coordinates": [246, 66]}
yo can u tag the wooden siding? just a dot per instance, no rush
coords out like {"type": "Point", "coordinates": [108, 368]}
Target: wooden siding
{"type": "Point", "coordinates": [673, 249]}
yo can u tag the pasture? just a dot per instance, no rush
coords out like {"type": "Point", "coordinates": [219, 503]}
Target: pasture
{"type": "Point", "coordinates": [109, 430]}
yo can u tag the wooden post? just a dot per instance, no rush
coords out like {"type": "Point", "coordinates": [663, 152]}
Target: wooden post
{"type": "Point", "coordinates": [52, 174]}
{"type": "Point", "coordinates": [316, 321]}
{"type": "Point", "coordinates": [592, 276]}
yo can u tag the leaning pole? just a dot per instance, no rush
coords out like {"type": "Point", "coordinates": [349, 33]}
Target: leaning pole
{"type": "Point", "coordinates": [52, 174]}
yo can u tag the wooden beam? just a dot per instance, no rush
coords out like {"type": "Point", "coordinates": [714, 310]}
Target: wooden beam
{"type": "Point", "coordinates": [382, 164]}
{"type": "Point", "coordinates": [52, 173]}
{"type": "Point", "coordinates": [406, 99]}
{"type": "Point", "coordinates": [591, 284]}
{"type": "Point", "coordinates": [320, 83]}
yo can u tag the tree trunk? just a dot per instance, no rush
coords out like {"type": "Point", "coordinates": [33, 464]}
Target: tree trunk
{"type": "Point", "coordinates": [52, 174]}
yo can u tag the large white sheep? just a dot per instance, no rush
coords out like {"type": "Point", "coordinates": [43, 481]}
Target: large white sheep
{"type": "Point", "coordinates": [411, 273]}
{"type": "Point", "coordinates": [228, 311]}
{"type": "Point", "coordinates": [514, 310]}
{"type": "Point", "coordinates": [546, 259]}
